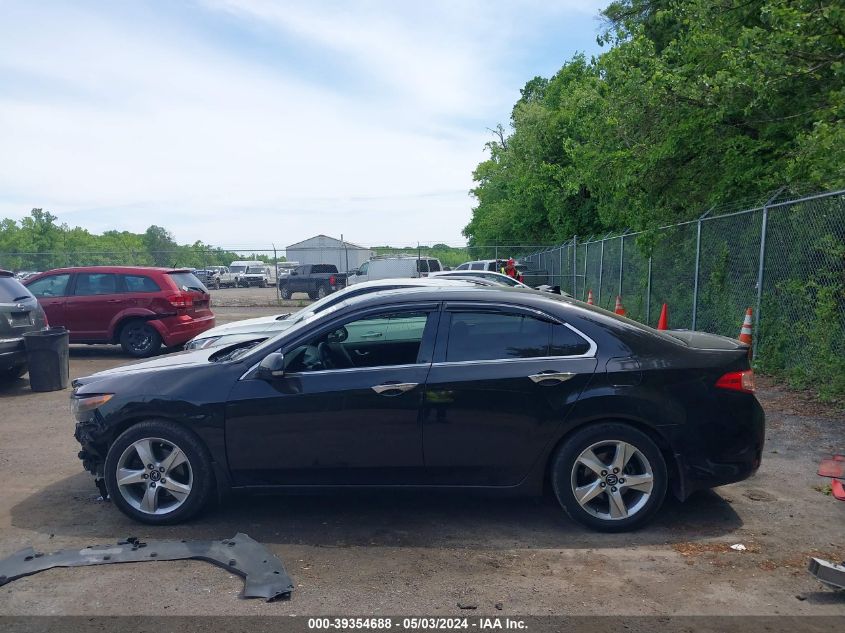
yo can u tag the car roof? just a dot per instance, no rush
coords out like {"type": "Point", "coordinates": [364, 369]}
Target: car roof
{"type": "Point", "coordinates": [6, 273]}
{"type": "Point", "coordinates": [115, 269]}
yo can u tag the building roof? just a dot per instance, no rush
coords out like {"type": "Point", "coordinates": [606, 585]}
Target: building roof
{"type": "Point", "coordinates": [327, 237]}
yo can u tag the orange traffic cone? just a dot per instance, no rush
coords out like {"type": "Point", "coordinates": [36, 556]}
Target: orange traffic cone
{"type": "Point", "coordinates": [745, 332]}
{"type": "Point", "coordinates": [620, 309]}
{"type": "Point", "coordinates": [663, 321]}
{"type": "Point", "coordinates": [590, 296]}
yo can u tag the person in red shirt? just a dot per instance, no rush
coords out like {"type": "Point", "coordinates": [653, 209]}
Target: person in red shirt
{"type": "Point", "coordinates": [511, 271]}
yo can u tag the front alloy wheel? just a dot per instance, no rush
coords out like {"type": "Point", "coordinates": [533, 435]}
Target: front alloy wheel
{"type": "Point", "coordinates": [158, 472]}
{"type": "Point", "coordinates": [610, 477]}
{"type": "Point", "coordinates": [154, 476]}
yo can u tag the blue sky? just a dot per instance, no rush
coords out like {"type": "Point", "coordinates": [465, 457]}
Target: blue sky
{"type": "Point", "coordinates": [245, 122]}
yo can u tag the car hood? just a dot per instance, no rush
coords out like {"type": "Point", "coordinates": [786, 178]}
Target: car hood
{"type": "Point", "coordinates": [179, 360]}
{"type": "Point", "coordinates": [248, 326]}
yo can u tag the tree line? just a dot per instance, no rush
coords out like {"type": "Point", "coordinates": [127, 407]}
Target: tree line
{"type": "Point", "coordinates": [38, 242]}
{"type": "Point", "coordinates": [693, 104]}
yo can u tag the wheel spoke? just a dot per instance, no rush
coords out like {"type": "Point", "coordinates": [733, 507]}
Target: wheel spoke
{"type": "Point", "coordinates": [144, 449]}
{"type": "Point", "coordinates": [585, 494]}
{"type": "Point", "coordinates": [150, 501]}
{"type": "Point", "coordinates": [589, 459]}
{"type": "Point", "coordinates": [618, 509]}
{"type": "Point", "coordinates": [173, 460]}
{"type": "Point", "coordinates": [624, 452]}
{"type": "Point", "coordinates": [643, 483]}
{"type": "Point", "coordinates": [127, 476]}
{"type": "Point", "coordinates": [180, 491]}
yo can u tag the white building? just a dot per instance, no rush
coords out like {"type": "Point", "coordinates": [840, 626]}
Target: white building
{"type": "Point", "coordinates": [322, 249]}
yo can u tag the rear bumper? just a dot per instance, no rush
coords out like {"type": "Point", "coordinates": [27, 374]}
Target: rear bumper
{"type": "Point", "coordinates": [179, 329]}
{"type": "Point", "coordinates": [12, 353]}
{"type": "Point", "coordinates": [723, 449]}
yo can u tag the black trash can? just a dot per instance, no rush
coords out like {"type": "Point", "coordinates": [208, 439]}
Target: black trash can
{"type": "Point", "coordinates": [48, 358]}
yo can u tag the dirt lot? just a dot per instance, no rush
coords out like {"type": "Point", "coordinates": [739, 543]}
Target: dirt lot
{"type": "Point", "coordinates": [424, 553]}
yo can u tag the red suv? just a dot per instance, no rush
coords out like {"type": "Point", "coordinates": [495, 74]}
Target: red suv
{"type": "Point", "coordinates": [138, 307]}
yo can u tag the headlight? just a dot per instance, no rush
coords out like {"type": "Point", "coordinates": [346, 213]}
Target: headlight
{"type": "Point", "coordinates": [202, 343]}
{"type": "Point", "coordinates": [82, 406]}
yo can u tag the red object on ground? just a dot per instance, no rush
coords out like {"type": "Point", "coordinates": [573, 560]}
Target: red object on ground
{"type": "Point", "coordinates": [663, 321]}
{"type": "Point", "coordinates": [620, 309]}
{"type": "Point", "coordinates": [590, 296]}
{"type": "Point", "coordinates": [834, 467]}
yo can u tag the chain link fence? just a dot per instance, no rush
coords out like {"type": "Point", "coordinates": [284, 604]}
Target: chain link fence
{"type": "Point", "coordinates": [784, 259]}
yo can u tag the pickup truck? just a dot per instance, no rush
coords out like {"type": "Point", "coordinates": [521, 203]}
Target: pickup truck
{"type": "Point", "coordinates": [318, 280]}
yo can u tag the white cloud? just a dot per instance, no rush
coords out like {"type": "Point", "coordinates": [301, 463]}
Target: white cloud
{"type": "Point", "coordinates": [164, 124]}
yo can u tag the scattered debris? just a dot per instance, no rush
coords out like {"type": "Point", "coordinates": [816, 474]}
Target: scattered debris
{"type": "Point", "coordinates": [263, 573]}
{"type": "Point", "coordinates": [499, 606]}
{"type": "Point", "coordinates": [801, 598]}
{"type": "Point", "coordinates": [829, 573]}
{"type": "Point", "coordinates": [467, 605]}
{"type": "Point", "coordinates": [739, 547]}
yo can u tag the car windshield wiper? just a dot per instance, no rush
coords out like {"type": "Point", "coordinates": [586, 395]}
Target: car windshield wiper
{"type": "Point", "coordinates": [282, 317]}
{"type": "Point", "coordinates": [21, 298]}
{"type": "Point", "coordinates": [192, 288]}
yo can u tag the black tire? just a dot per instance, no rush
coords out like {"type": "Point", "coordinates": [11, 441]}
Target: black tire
{"type": "Point", "coordinates": [199, 465]}
{"type": "Point", "coordinates": [601, 437]}
{"type": "Point", "coordinates": [322, 291]}
{"type": "Point", "coordinates": [217, 284]}
{"type": "Point", "coordinates": [9, 375]}
{"type": "Point", "coordinates": [312, 295]}
{"type": "Point", "coordinates": [139, 339]}
{"type": "Point", "coordinates": [262, 284]}
{"type": "Point", "coordinates": [284, 292]}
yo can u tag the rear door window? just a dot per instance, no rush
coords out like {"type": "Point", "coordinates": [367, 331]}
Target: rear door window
{"type": "Point", "coordinates": [565, 342]}
{"type": "Point", "coordinates": [139, 283]}
{"type": "Point", "coordinates": [477, 266]}
{"type": "Point", "coordinates": [463, 267]}
{"type": "Point", "coordinates": [50, 286]}
{"type": "Point", "coordinates": [433, 266]}
{"type": "Point", "coordinates": [495, 335]}
{"type": "Point", "coordinates": [91, 284]}
{"type": "Point", "coordinates": [422, 265]}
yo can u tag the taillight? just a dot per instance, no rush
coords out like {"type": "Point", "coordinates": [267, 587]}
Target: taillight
{"type": "Point", "coordinates": [737, 381]}
{"type": "Point", "coordinates": [331, 280]}
{"type": "Point", "coordinates": [182, 300]}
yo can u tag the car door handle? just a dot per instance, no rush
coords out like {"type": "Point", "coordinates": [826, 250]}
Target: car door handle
{"type": "Point", "coordinates": [551, 376]}
{"type": "Point", "coordinates": [372, 335]}
{"type": "Point", "coordinates": [398, 387]}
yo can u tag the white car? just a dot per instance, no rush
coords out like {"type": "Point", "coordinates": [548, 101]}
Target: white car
{"type": "Point", "coordinates": [401, 267]}
{"type": "Point", "coordinates": [262, 328]}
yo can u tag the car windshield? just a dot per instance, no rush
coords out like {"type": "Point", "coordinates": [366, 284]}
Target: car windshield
{"type": "Point", "coordinates": [255, 270]}
{"type": "Point", "coordinates": [12, 291]}
{"type": "Point", "coordinates": [237, 269]}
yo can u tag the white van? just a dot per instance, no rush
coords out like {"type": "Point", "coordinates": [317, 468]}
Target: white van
{"type": "Point", "coordinates": [403, 267]}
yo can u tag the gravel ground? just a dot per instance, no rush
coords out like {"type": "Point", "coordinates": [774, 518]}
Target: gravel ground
{"type": "Point", "coordinates": [403, 553]}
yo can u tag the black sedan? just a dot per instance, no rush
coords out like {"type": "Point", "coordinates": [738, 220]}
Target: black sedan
{"type": "Point", "coordinates": [483, 389]}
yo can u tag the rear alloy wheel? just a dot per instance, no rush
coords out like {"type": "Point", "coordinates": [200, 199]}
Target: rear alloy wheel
{"type": "Point", "coordinates": [284, 292]}
{"type": "Point", "coordinates": [139, 339]}
{"type": "Point", "coordinates": [322, 292]}
{"type": "Point", "coordinates": [610, 477]}
{"type": "Point", "coordinates": [157, 472]}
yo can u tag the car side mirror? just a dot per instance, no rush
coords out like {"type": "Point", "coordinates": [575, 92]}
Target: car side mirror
{"type": "Point", "coordinates": [271, 367]}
